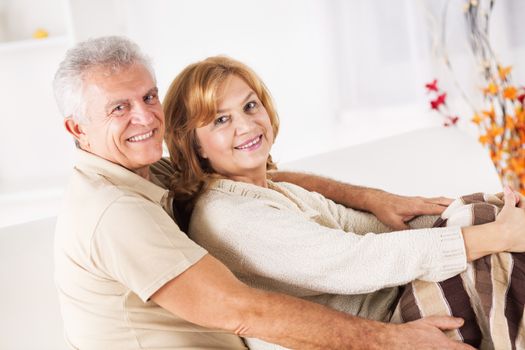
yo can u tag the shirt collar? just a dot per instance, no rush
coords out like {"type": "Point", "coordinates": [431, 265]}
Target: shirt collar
{"type": "Point", "coordinates": [120, 176]}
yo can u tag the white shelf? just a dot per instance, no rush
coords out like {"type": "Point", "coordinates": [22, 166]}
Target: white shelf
{"type": "Point", "coordinates": [30, 44]}
{"type": "Point", "coordinates": [18, 208]}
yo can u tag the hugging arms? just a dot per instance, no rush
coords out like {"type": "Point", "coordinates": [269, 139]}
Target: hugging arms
{"type": "Point", "coordinates": [221, 125]}
{"type": "Point", "coordinates": [126, 275]}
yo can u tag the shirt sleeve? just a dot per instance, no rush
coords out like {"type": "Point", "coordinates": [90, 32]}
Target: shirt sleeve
{"type": "Point", "coordinates": [137, 243]}
{"type": "Point", "coordinates": [288, 251]}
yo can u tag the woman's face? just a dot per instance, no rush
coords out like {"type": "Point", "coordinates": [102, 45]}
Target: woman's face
{"type": "Point", "coordinates": [237, 143]}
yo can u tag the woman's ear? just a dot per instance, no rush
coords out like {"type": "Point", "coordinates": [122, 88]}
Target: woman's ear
{"type": "Point", "coordinates": [77, 131]}
{"type": "Point", "coordinates": [198, 148]}
{"type": "Point", "coordinates": [202, 154]}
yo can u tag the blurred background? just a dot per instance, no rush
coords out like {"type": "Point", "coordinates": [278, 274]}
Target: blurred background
{"type": "Point", "coordinates": [342, 72]}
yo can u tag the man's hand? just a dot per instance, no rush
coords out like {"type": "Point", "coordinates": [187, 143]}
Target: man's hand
{"type": "Point", "coordinates": [426, 333]}
{"type": "Point", "coordinates": [392, 210]}
{"type": "Point", "coordinates": [395, 211]}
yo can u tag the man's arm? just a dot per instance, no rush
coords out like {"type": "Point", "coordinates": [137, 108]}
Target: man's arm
{"type": "Point", "coordinates": [392, 210]}
{"type": "Point", "coordinates": [208, 294]}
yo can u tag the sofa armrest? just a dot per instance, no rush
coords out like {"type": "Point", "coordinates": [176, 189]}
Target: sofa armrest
{"type": "Point", "coordinates": [427, 162]}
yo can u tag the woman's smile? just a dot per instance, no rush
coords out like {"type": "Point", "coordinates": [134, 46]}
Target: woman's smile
{"type": "Point", "coordinates": [250, 145]}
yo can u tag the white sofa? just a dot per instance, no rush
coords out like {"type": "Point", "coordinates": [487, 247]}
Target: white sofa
{"type": "Point", "coordinates": [428, 162]}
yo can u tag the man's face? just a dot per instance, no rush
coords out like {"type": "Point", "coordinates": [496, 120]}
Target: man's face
{"type": "Point", "coordinates": [126, 121]}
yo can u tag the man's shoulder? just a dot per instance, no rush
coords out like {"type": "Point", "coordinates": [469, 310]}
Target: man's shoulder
{"type": "Point", "coordinates": [163, 170]}
{"type": "Point", "coordinates": [85, 189]}
{"type": "Point", "coordinates": [88, 197]}
{"type": "Point", "coordinates": [92, 204]}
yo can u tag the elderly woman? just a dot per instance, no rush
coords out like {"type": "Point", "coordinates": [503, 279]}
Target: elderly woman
{"type": "Point", "coordinates": [221, 124]}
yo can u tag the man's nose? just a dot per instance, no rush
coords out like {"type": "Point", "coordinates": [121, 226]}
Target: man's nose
{"type": "Point", "coordinates": [142, 114]}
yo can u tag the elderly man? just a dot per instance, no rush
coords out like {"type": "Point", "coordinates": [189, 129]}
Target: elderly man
{"type": "Point", "coordinates": [129, 278]}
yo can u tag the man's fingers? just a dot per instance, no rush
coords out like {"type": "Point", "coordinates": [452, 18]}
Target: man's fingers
{"type": "Point", "coordinates": [430, 209]}
{"type": "Point", "coordinates": [440, 200]}
{"type": "Point", "coordinates": [444, 322]}
{"type": "Point", "coordinates": [396, 222]}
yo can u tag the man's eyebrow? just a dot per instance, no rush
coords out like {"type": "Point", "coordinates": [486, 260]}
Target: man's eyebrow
{"type": "Point", "coordinates": [153, 90]}
{"type": "Point", "coordinates": [243, 101]}
{"type": "Point", "coordinates": [112, 103]}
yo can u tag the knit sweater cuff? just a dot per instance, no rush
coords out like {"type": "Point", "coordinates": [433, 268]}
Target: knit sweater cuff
{"type": "Point", "coordinates": [450, 256]}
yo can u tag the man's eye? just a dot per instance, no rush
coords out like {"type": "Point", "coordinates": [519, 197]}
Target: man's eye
{"type": "Point", "coordinates": [250, 106]}
{"type": "Point", "coordinates": [221, 120]}
{"type": "Point", "coordinates": [119, 109]}
{"type": "Point", "coordinates": [152, 98]}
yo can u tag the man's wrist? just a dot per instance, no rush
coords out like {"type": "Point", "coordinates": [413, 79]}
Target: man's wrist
{"type": "Point", "coordinates": [370, 199]}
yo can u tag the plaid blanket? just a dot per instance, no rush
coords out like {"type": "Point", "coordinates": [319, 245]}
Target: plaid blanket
{"type": "Point", "coordinates": [489, 295]}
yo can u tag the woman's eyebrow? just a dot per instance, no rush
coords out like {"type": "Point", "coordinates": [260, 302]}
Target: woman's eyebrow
{"type": "Point", "coordinates": [248, 96]}
{"type": "Point", "coordinates": [243, 101]}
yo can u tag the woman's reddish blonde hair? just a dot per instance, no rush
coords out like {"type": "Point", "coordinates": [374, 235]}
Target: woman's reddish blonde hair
{"type": "Point", "coordinates": [190, 103]}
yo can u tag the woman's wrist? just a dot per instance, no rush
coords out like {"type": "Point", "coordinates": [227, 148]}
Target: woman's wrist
{"type": "Point", "coordinates": [483, 240]}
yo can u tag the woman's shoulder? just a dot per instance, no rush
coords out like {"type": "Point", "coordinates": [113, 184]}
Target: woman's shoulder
{"type": "Point", "coordinates": [226, 195]}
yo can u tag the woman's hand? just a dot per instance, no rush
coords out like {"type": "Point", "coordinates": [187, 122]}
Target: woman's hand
{"type": "Point", "coordinates": [511, 221]}
{"type": "Point", "coordinates": [507, 233]}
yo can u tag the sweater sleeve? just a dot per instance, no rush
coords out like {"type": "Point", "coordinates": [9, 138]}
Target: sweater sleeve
{"type": "Point", "coordinates": [281, 248]}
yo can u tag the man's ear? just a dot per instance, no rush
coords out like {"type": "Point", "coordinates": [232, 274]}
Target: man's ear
{"type": "Point", "coordinates": [77, 131]}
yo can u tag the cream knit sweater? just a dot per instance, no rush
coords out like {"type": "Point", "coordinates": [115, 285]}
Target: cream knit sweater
{"type": "Point", "coordinates": [286, 239]}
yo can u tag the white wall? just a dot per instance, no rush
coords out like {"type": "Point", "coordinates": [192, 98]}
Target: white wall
{"type": "Point", "coordinates": [290, 44]}
{"type": "Point", "coordinates": [34, 149]}
{"type": "Point", "coordinates": [341, 72]}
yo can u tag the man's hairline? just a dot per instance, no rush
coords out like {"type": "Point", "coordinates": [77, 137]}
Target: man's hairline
{"type": "Point", "coordinates": [100, 68]}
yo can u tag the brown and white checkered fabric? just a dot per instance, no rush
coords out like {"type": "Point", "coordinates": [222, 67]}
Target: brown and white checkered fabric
{"type": "Point", "coordinates": [489, 295]}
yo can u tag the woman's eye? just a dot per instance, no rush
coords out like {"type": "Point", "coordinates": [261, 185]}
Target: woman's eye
{"type": "Point", "coordinates": [250, 106]}
{"type": "Point", "coordinates": [221, 120]}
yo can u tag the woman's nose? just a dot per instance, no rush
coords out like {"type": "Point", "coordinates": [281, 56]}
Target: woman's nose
{"type": "Point", "coordinates": [243, 123]}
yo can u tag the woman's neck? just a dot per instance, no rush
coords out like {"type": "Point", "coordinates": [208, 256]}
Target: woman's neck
{"type": "Point", "coordinates": [259, 180]}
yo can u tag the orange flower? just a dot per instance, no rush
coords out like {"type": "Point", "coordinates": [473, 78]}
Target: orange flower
{"type": "Point", "coordinates": [517, 165]}
{"type": "Point", "coordinates": [514, 143]}
{"type": "Point", "coordinates": [491, 89]}
{"type": "Point", "coordinates": [491, 114]}
{"type": "Point", "coordinates": [485, 139]}
{"type": "Point", "coordinates": [495, 131]}
{"type": "Point", "coordinates": [496, 156]}
{"type": "Point", "coordinates": [476, 119]}
{"type": "Point", "coordinates": [504, 72]}
{"type": "Point", "coordinates": [520, 116]}
{"type": "Point", "coordinates": [510, 93]}
{"type": "Point", "coordinates": [509, 122]}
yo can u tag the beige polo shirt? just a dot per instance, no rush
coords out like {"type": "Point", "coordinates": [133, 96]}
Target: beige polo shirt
{"type": "Point", "coordinates": [116, 244]}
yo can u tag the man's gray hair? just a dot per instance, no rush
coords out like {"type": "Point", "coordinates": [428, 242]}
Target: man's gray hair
{"type": "Point", "coordinates": [109, 52]}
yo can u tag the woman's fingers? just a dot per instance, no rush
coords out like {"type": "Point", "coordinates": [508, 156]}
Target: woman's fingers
{"type": "Point", "coordinates": [510, 197]}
